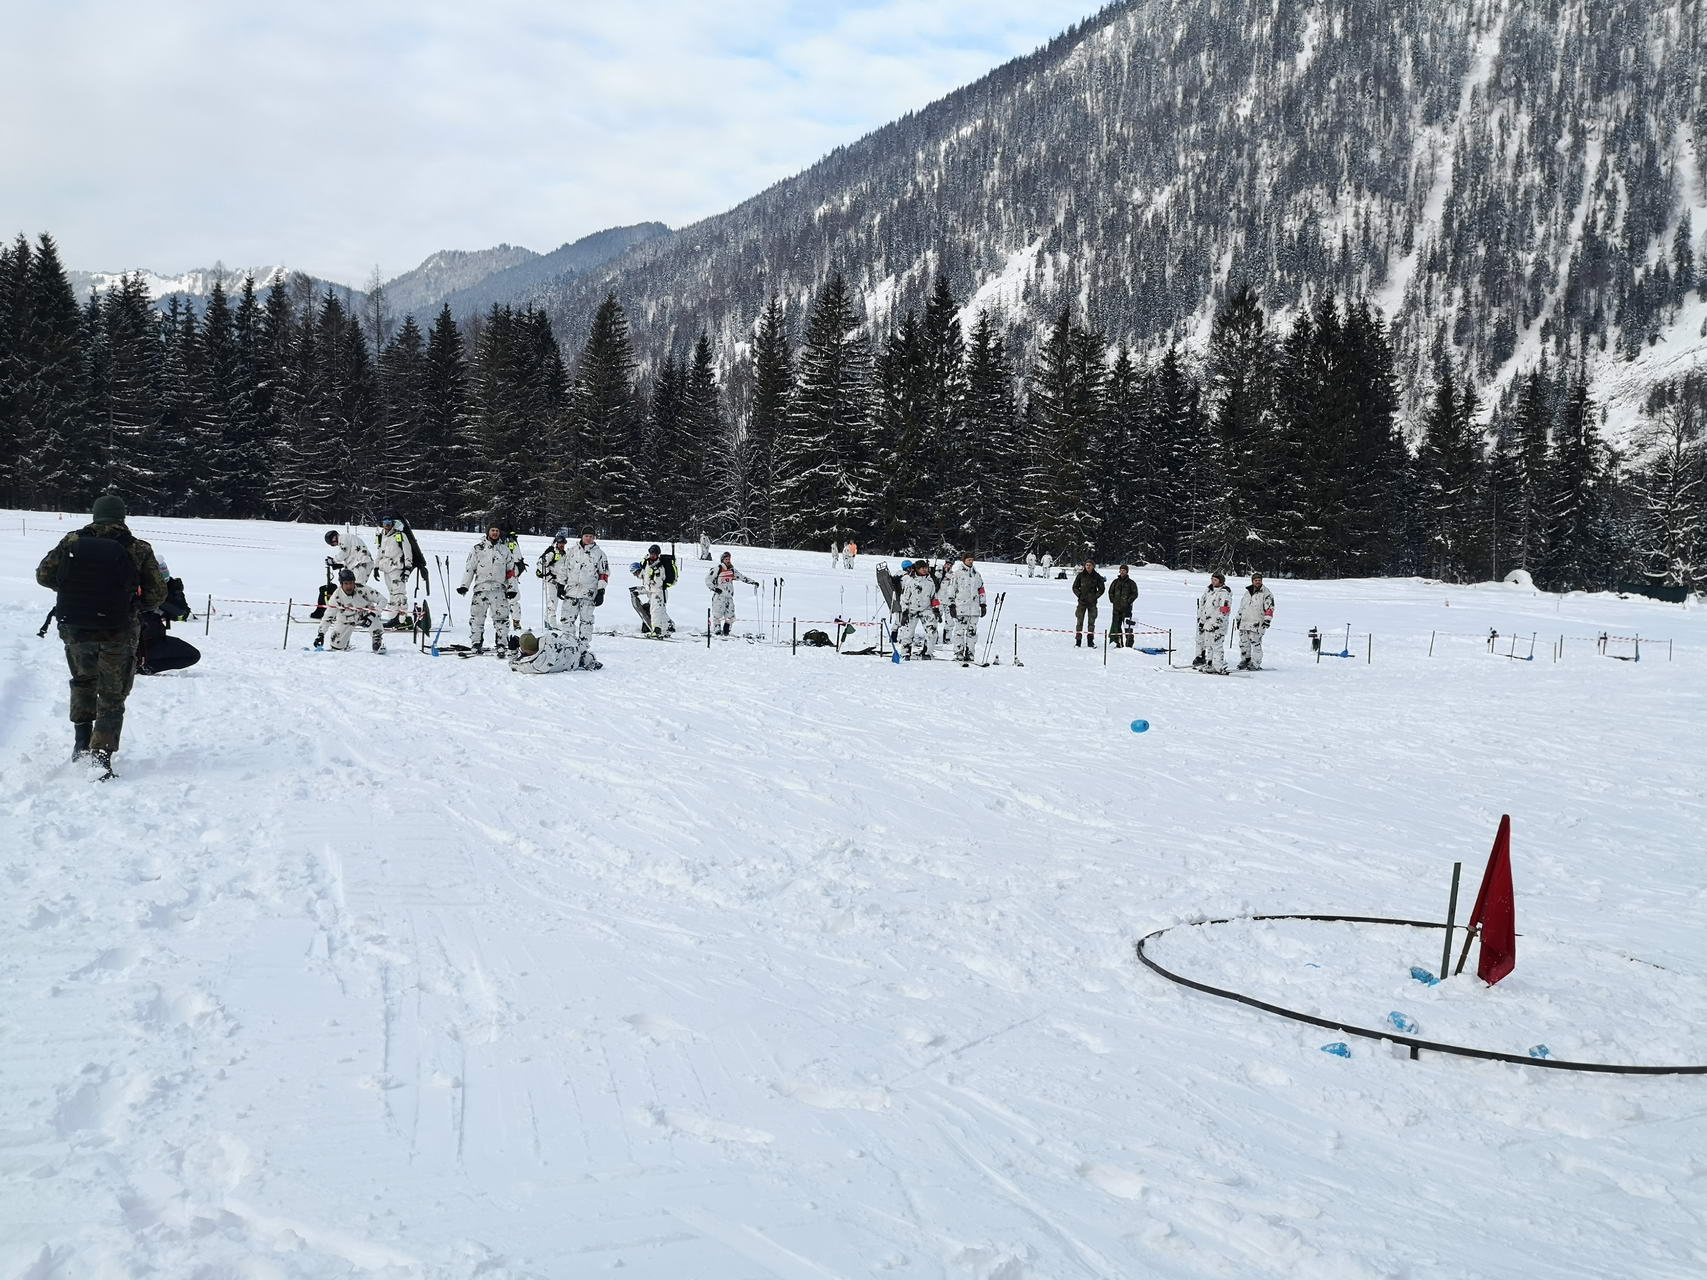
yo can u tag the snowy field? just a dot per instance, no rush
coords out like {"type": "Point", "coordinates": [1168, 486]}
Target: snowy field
{"type": "Point", "coordinates": [729, 964]}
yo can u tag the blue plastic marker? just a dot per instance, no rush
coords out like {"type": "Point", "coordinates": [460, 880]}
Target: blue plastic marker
{"type": "Point", "coordinates": [1140, 726]}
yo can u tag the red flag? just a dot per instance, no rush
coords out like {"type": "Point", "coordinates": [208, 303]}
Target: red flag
{"type": "Point", "coordinates": [1496, 911]}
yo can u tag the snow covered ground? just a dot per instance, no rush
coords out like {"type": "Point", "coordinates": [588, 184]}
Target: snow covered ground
{"type": "Point", "coordinates": [725, 964]}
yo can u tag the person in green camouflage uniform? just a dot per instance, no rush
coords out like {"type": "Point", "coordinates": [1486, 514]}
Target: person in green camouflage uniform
{"type": "Point", "coordinates": [103, 662]}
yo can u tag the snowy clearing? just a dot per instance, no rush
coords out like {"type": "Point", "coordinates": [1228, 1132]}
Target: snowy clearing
{"type": "Point", "coordinates": [725, 964]}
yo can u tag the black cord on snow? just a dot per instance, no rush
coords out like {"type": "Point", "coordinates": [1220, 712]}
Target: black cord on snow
{"type": "Point", "coordinates": [1458, 1050]}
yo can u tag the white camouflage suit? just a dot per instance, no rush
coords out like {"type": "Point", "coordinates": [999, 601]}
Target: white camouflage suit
{"type": "Point", "coordinates": [918, 598]}
{"type": "Point", "coordinates": [576, 581]}
{"type": "Point", "coordinates": [1256, 612]}
{"type": "Point", "coordinates": [558, 651]}
{"type": "Point", "coordinates": [396, 562]}
{"type": "Point", "coordinates": [352, 553]}
{"type": "Point", "coordinates": [487, 575]}
{"type": "Point", "coordinates": [963, 599]}
{"type": "Point", "coordinates": [722, 579]}
{"type": "Point", "coordinates": [351, 611]}
{"type": "Point", "coordinates": [653, 580]}
{"type": "Point", "coordinates": [1214, 608]}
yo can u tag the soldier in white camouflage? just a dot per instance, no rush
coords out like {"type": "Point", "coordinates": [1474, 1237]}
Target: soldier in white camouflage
{"type": "Point", "coordinates": [488, 572]}
{"type": "Point", "coordinates": [918, 605]}
{"type": "Point", "coordinates": [963, 598]}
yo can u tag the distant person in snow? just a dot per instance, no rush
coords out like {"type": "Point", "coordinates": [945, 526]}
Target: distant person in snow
{"type": "Point", "coordinates": [547, 569]}
{"type": "Point", "coordinates": [848, 554]}
{"type": "Point", "coordinates": [963, 597]}
{"type": "Point", "coordinates": [177, 607]}
{"type": "Point", "coordinates": [836, 554]}
{"type": "Point", "coordinates": [1122, 595]}
{"type": "Point", "coordinates": [1048, 563]}
{"type": "Point", "coordinates": [353, 606]}
{"type": "Point", "coordinates": [1214, 608]}
{"type": "Point", "coordinates": [555, 651]}
{"type": "Point", "coordinates": [1256, 613]}
{"type": "Point", "coordinates": [489, 571]}
{"type": "Point", "coordinates": [1031, 564]}
{"type": "Point", "coordinates": [1088, 587]}
{"type": "Point", "coordinates": [349, 552]}
{"type": "Point", "coordinates": [722, 579]}
{"type": "Point", "coordinates": [918, 612]}
{"type": "Point", "coordinates": [655, 574]}
{"type": "Point", "coordinates": [102, 576]}
{"type": "Point", "coordinates": [580, 577]}
{"type": "Point", "coordinates": [705, 546]}
{"type": "Point", "coordinates": [396, 562]}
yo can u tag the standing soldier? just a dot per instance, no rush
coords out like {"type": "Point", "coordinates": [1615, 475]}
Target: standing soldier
{"type": "Point", "coordinates": [722, 579]}
{"type": "Point", "coordinates": [964, 598]}
{"type": "Point", "coordinates": [1213, 608]}
{"type": "Point", "coordinates": [488, 570]}
{"type": "Point", "coordinates": [396, 563]}
{"type": "Point", "coordinates": [1256, 612]}
{"type": "Point", "coordinates": [1031, 564]}
{"type": "Point", "coordinates": [353, 606]}
{"type": "Point", "coordinates": [349, 552]}
{"type": "Point", "coordinates": [1048, 563]}
{"type": "Point", "coordinates": [1088, 587]}
{"type": "Point", "coordinates": [654, 589]}
{"type": "Point", "coordinates": [848, 554]}
{"type": "Point", "coordinates": [918, 603]}
{"type": "Point", "coordinates": [581, 575]}
{"type": "Point", "coordinates": [103, 576]}
{"type": "Point", "coordinates": [1122, 595]}
{"type": "Point", "coordinates": [836, 554]}
{"type": "Point", "coordinates": [548, 570]}
{"type": "Point", "coordinates": [705, 546]}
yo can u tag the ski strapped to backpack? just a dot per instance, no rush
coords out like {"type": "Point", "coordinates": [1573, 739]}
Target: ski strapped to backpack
{"type": "Point", "coordinates": [98, 582]}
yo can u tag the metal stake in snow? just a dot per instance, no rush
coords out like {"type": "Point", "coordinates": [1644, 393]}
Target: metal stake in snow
{"type": "Point", "coordinates": [1451, 919]}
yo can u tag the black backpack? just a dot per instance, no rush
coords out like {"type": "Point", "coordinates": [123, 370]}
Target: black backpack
{"type": "Point", "coordinates": [97, 583]}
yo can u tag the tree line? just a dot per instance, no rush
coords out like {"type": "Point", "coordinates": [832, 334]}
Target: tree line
{"type": "Point", "coordinates": [1277, 451]}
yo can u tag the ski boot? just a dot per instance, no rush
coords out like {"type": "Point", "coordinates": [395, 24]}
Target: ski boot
{"type": "Point", "coordinates": [378, 643]}
{"type": "Point", "coordinates": [319, 642]}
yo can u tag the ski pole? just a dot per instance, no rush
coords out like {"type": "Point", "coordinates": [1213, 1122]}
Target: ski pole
{"type": "Point", "coordinates": [708, 628]}
{"type": "Point", "coordinates": [207, 618]}
{"type": "Point", "coordinates": [286, 643]}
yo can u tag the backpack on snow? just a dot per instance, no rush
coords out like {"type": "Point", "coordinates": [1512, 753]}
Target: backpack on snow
{"type": "Point", "coordinates": [816, 639]}
{"type": "Point", "coordinates": [97, 583]}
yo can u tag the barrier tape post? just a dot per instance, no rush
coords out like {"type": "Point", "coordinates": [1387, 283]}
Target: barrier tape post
{"type": "Point", "coordinates": [708, 628]}
{"type": "Point", "coordinates": [1431, 644]}
{"type": "Point", "coordinates": [1105, 646]}
{"type": "Point", "coordinates": [207, 618]}
{"type": "Point", "coordinates": [286, 644]}
{"type": "Point", "coordinates": [794, 638]}
{"type": "Point", "coordinates": [1451, 919]}
{"type": "Point", "coordinates": [1369, 649]}
{"type": "Point", "coordinates": [1170, 646]}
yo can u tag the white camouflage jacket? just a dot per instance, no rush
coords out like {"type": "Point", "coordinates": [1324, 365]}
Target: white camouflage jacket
{"type": "Point", "coordinates": [721, 579]}
{"type": "Point", "coordinates": [581, 571]}
{"type": "Point", "coordinates": [918, 594]}
{"type": "Point", "coordinates": [488, 565]}
{"type": "Point", "coordinates": [356, 608]}
{"type": "Point", "coordinates": [1256, 608]}
{"type": "Point", "coordinates": [352, 553]}
{"type": "Point", "coordinates": [963, 593]}
{"type": "Point", "coordinates": [394, 552]}
{"type": "Point", "coordinates": [1213, 608]}
{"type": "Point", "coordinates": [558, 651]}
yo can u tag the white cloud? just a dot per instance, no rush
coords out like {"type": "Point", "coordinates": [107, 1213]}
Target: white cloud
{"type": "Point", "coordinates": [334, 136]}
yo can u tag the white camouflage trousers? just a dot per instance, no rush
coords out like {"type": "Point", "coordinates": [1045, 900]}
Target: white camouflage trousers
{"type": "Point", "coordinates": [339, 632]}
{"type": "Point", "coordinates": [1212, 646]}
{"type": "Point", "coordinates": [395, 582]}
{"type": "Point", "coordinates": [483, 601]}
{"type": "Point", "coordinates": [918, 633]}
{"type": "Point", "coordinates": [573, 614]}
{"type": "Point", "coordinates": [660, 615]}
{"type": "Point", "coordinates": [965, 638]}
{"type": "Point", "coordinates": [1250, 648]}
{"type": "Point", "coordinates": [722, 611]}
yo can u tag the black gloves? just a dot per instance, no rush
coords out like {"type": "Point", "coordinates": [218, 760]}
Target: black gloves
{"type": "Point", "coordinates": [462, 591]}
{"type": "Point", "coordinates": [983, 609]}
{"type": "Point", "coordinates": [509, 595]}
{"type": "Point", "coordinates": [562, 592]}
{"type": "Point", "coordinates": [333, 564]}
{"type": "Point", "coordinates": [599, 596]}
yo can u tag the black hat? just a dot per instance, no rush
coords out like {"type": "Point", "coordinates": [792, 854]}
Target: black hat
{"type": "Point", "coordinates": [331, 537]}
{"type": "Point", "coordinates": [587, 531]}
{"type": "Point", "coordinates": [346, 575]}
{"type": "Point", "coordinates": [654, 550]}
{"type": "Point", "coordinates": [108, 509]}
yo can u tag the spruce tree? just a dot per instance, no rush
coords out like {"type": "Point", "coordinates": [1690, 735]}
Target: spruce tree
{"type": "Point", "coordinates": [773, 395]}
{"type": "Point", "coordinates": [249, 422]}
{"type": "Point", "coordinates": [1061, 421]}
{"type": "Point", "coordinates": [213, 431]}
{"type": "Point", "coordinates": [942, 356]}
{"type": "Point", "coordinates": [1672, 493]}
{"type": "Point", "coordinates": [1120, 465]}
{"type": "Point", "coordinates": [403, 486]}
{"type": "Point", "coordinates": [50, 414]}
{"type": "Point", "coordinates": [608, 486]}
{"type": "Point", "coordinates": [1176, 432]}
{"type": "Point", "coordinates": [1579, 545]}
{"type": "Point", "coordinates": [824, 474]}
{"type": "Point", "coordinates": [986, 493]}
{"type": "Point", "coordinates": [181, 487]}
{"type": "Point", "coordinates": [1240, 389]}
{"type": "Point", "coordinates": [448, 460]}
{"type": "Point", "coordinates": [126, 419]}
{"type": "Point", "coordinates": [910, 485]}
{"type": "Point", "coordinates": [14, 365]}
{"type": "Point", "coordinates": [662, 441]}
{"type": "Point", "coordinates": [704, 472]}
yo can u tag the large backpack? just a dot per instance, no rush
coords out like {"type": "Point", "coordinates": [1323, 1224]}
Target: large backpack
{"type": "Point", "coordinates": [97, 583]}
{"type": "Point", "coordinates": [671, 572]}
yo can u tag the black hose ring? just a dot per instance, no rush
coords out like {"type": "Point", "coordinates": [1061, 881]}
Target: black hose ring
{"type": "Point", "coordinates": [1462, 1051]}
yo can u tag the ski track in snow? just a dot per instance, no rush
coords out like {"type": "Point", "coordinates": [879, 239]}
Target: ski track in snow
{"type": "Point", "coordinates": [734, 964]}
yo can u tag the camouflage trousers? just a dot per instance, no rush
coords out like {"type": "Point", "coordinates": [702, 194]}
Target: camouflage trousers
{"type": "Point", "coordinates": [102, 672]}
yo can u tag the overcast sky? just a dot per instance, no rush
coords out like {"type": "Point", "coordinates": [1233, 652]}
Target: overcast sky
{"type": "Point", "coordinates": [332, 137]}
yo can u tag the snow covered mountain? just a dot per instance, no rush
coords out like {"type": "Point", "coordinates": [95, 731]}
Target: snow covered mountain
{"type": "Point", "coordinates": [194, 286]}
{"type": "Point", "coordinates": [1500, 176]}
{"type": "Point", "coordinates": [527, 278]}
{"type": "Point", "coordinates": [423, 289]}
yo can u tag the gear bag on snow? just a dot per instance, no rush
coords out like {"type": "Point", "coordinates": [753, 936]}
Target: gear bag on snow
{"type": "Point", "coordinates": [816, 639]}
{"type": "Point", "coordinates": [97, 583]}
